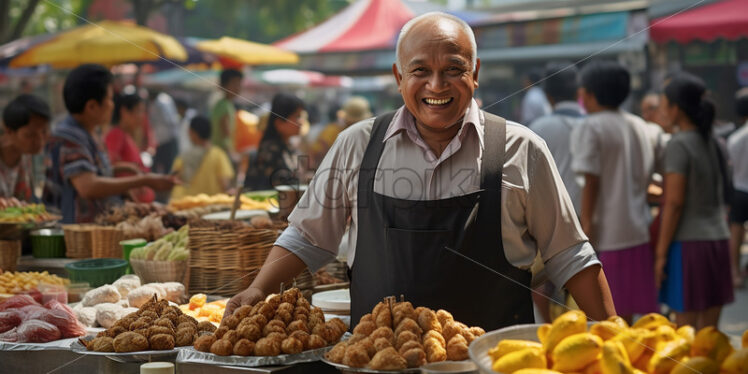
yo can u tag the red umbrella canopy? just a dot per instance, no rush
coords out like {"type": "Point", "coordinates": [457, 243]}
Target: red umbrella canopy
{"type": "Point", "coordinates": [726, 19]}
{"type": "Point", "coordinates": [363, 25]}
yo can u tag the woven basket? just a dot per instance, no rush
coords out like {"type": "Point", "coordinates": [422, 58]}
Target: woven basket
{"type": "Point", "coordinates": [159, 271]}
{"type": "Point", "coordinates": [225, 257]}
{"type": "Point", "coordinates": [78, 240]}
{"type": "Point", "coordinates": [10, 252]}
{"type": "Point", "coordinates": [105, 242]}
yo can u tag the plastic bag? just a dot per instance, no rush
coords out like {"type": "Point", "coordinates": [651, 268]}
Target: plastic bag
{"type": "Point", "coordinates": [9, 319]}
{"type": "Point", "coordinates": [18, 301]}
{"type": "Point", "coordinates": [35, 331]}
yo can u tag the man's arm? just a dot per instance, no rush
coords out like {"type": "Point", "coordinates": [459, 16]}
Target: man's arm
{"type": "Point", "coordinates": [589, 202]}
{"type": "Point", "coordinates": [92, 186]}
{"type": "Point", "coordinates": [589, 288]}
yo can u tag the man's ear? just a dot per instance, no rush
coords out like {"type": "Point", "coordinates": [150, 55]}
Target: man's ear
{"type": "Point", "coordinates": [398, 76]}
{"type": "Point", "coordinates": [91, 105]}
{"type": "Point", "coordinates": [475, 72]}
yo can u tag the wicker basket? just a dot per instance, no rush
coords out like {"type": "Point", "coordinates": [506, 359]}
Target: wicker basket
{"type": "Point", "coordinates": [105, 242]}
{"type": "Point", "coordinates": [78, 240]}
{"type": "Point", "coordinates": [10, 252]}
{"type": "Point", "coordinates": [225, 257]}
{"type": "Point", "coordinates": [159, 271]}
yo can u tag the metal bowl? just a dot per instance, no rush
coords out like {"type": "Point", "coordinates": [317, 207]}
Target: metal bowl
{"type": "Point", "coordinates": [479, 347]}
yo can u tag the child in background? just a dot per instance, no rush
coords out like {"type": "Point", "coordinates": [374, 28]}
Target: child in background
{"type": "Point", "coordinates": [204, 168]}
{"type": "Point", "coordinates": [617, 159]}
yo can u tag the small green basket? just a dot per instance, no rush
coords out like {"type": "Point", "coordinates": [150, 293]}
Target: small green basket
{"type": "Point", "coordinates": [48, 243]}
{"type": "Point", "coordinates": [98, 271]}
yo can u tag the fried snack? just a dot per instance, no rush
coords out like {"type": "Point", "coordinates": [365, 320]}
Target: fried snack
{"type": "Point", "coordinates": [315, 320]}
{"type": "Point", "coordinates": [171, 316]}
{"type": "Point", "coordinates": [427, 321]}
{"type": "Point", "coordinates": [175, 309]}
{"type": "Point", "coordinates": [368, 345]}
{"type": "Point", "coordinates": [405, 337]}
{"type": "Point", "coordinates": [443, 316]}
{"type": "Point", "coordinates": [145, 332]}
{"type": "Point", "coordinates": [231, 336]}
{"type": "Point", "coordinates": [267, 347]}
{"type": "Point", "coordinates": [220, 332]}
{"type": "Point", "coordinates": [125, 322]}
{"type": "Point", "coordinates": [451, 329]}
{"type": "Point", "coordinates": [366, 318]}
{"type": "Point", "coordinates": [162, 342]}
{"type": "Point", "coordinates": [267, 311]}
{"type": "Point", "coordinates": [274, 300]}
{"type": "Point", "coordinates": [383, 318]}
{"type": "Point", "coordinates": [467, 335]}
{"type": "Point", "coordinates": [286, 307]}
{"type": "Point", "coordinates": [185, 337]}
{"type": "Point", "coordinates": [365, 328]}
{"type": "Point", "coordinates": [356, 338]}
{"type": "Point", "coordinates": [301, 336]}
{"type": "Point", "coordinates": [355, 356]}
{"type": "Point", "coordinates": [388, 359]}
{"type": "Point", "coordinates": [408, 325]}
{"type": "Point", "coordinates": [457, 348]}
{"type": "Point", "coordinates": [187, 326]}
{"type": "Point", "coordinates": [256, 308]}
{"type": "Point", "coordinates": [477, 331]}
{"type": "Point", "coordinates": [337, 353]}
{"type": "Point", "coordinates": [382, 343]}
{"type": "Point", "coordinates": [316, 342]}
{"type": "Point", "coordinates": [277, 336]}
{"type": "Point", "coordinates": [292, 346]}
{"type": "Point", "coordinates": [155, 330]}
{"type": "Point", "coordinates": [339, 324]}
{"type": "Point", "coordinates": [112, 332]}
{"type": "Point", "coordinates": [164, 321]}
{"type": "Point", "coordinates": [222, 347]}
{"type": "Point", "coordinates": [303, 303]}
{"type": "Point", "coordinates": [231, 322]}
{"type": "Point", "coordinates": [183, 318]}
{"type": "Point", "coordinates": [297, 326]}
{"type": "Point", "coordinates": [301, 315]}
{"type": "Point", "coordinates": [402, 311]}
{"type": "Point", "coordinates": [102, 344]}
{"type": "Point", "coordinates": [244, 347]}
{"type": "Point", "coordinates": [259, 320]}
{"type": "Point", "coordinates": [284, 316]}
{"type": "Point", "coordinates": [204, 343]}
{"type": "Point", "coordinates": [130, 342]}
{"type": "Point", "coordinates": [250, 331]}
{"type": "Point", "coordinates": [410, 345]}
{"type": "Point", "coordinates": [271, 327]}
{"type": "Point", "coordinates": [140, 323]}
{"type": "Point", "coordinates": [415, 357]}
{"type": "Point", "coordinates": [242, 312]}
{"type": "Point", "coordinates": [434, 350]}
{"type": "Point", "coordinates": [148, 314]}
{"type": "Point", "coordinates": [435, 335]}
{"type": "Point", "coordinates": [327, 332]}
{"type": "Point", "coordinates": [383, 332]}
{"type": "Point", "coordinates": [291, 295]}
{"type": "Point", "coordinates": [206, 326]}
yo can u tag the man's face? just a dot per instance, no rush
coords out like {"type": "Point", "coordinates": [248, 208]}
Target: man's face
{"type": "Point", "coordinates": [30, 139]}
{"type": "Point", "coordinates": [437, 80]}
{"type": "Point", "coordinates": [101, 112]}
{"type": "Point", "coordinates": [233, 87]}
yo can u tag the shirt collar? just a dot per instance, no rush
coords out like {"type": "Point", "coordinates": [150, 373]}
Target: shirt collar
{"type": "Point", "coordinates": [403, 121]}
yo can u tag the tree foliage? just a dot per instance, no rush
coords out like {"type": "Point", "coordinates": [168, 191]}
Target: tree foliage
{"type": "Point", "coordinates": [32, 17]}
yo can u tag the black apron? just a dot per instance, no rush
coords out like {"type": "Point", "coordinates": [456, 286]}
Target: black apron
{"type": "Point", "coordinates": [408, 247]}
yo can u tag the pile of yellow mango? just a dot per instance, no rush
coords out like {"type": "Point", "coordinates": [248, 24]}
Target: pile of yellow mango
{"type": "Point", "coordinates": [201, 310]}
{"type": "Point", "coordinates": [651, 345]}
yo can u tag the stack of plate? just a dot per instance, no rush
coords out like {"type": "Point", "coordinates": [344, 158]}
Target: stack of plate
{"type": "Point", "coordinates": [333, 302]}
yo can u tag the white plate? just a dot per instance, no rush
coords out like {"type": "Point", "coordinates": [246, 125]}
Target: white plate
{"type": "Point", "coordinates": [241, 215]}
{"type": "Point", "coordinates": [479, 347]}
{"type": "Point", "coordinates": [336, 300]}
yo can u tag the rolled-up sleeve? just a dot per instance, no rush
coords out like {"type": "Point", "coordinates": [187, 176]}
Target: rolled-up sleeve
{"type": "Point", "coordinates": [314, 257]}
{"type": "Point", "coordinates": [564, 265]}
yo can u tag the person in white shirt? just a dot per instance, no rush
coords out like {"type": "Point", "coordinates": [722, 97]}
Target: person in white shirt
{"type": "Point", "coordinates": [534, 104]}
{"type": "Point", "coordinates": [737, 147]}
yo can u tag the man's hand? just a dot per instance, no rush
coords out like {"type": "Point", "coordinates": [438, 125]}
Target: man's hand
{"type": "Point", "coordinates": [161, 182]}
{"type": "Point", "coordinates": [250, 296]}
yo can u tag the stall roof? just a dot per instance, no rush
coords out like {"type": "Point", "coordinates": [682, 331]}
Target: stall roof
{"type": "Point", "coordinates": [726, 19]}
{"type": "Point", "coordinates": [363, 25]}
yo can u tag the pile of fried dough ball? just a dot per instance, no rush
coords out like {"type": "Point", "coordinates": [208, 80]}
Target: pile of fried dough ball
{"type": "Point", "coordinates": [420, 335]}
{"type": "Point", "coordinates": [282, 324]}
{"type": "Point", "coordinates": [155, 326]}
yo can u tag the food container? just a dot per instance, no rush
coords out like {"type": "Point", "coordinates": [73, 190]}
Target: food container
{"type": "Point", "coordinates": [479, 347]}
{"type": "Point", "coordinates": [76, 291]}
{"type": "Point", "coordinates": [98, 271]}
{"type": "Point", "coordinates": [128, 246]}
{"type": "Point", "coordinates": [157, 368]}
{"type": "Point", "coordinates": [48, 243]}
{"type": "Point", "coordinates": [53, 292]}
{"type": "Point", "coordinates": [10, 252]}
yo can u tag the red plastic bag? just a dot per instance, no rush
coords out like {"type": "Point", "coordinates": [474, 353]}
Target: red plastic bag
{"type": "Point", "coordinates": [35, 331]}
{"type": "Point", "coordinates": [10, 319]}
{"type": "Point", "coordinates": [18, 301]}
{"type": "Point", "coordinates": [67, 323]}
{"type": "Point", "coordinates": [10, 335]}
{"type": "Point", "coordinates": [30, 312]}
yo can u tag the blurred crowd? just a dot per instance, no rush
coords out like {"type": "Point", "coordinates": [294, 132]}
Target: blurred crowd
{"type": "Point", "coordinates": [664, 182]}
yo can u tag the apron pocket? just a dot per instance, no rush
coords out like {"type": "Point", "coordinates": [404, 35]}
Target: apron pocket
{"type": "Point", "coordinates": [417, 258]}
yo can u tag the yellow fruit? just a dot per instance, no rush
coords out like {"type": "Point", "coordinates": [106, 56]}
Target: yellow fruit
{"type": "Point", "coordinates": [634, 340]}
{"type": "Point", "coordinates": [606, 329]}
{"type": "Point", "coordinates": [710, 342]}
{"type": "Point", "coordinates": [686, 332]}
{"type": "Point", "coordinates": [643, 361]}
{"type": "Point", "coordinates": [736, 362]}
{"type": "Point", "coordinates": [524, 359]}
{"type": "Point", "coordinates": [536, 371]}
{"type": "Point", "coordinates": [593, 368]}
{"type": "Point", "coordinates": [576, 352]}
{"type": "Point", "coordinates": [745, 339]}
{"type": "Point", "coordinates": [511, 345]}
{"type": "Point", "coordinates": [543, 332]}
{"type": "Point", "coordinates": [614, 359]}
{"type": "Point", "coordinates": [567, 324]}
{"type": "Point", "coordinates": [619, 321]}
{"type": "Point", "coordinates": [651, 321]}
{"type": "Point", "coordinates": [702, 365]}
{"type": "Point", "coordinates": [663, 334]}
{"type": "Point", "coordinates": [667, 356]}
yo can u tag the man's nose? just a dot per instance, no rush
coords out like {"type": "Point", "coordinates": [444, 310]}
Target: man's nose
{"type": "Point", "coordinates": [437, 82]}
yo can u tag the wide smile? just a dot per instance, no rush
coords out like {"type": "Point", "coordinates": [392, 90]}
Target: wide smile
{"type": "Point", "coordinates": [437, 102]}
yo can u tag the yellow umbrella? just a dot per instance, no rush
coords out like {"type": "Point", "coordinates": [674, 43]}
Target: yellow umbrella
{"type": "Point", "coordinates": [247, 52]}
{"type": "Point", "coordinates": [106, 43]}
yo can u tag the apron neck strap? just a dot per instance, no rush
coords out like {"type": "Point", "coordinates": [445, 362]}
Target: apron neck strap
{"type": "Point", "coordinates": [493, 152]}
{"type": "Point", "coordinates": [373, 152]}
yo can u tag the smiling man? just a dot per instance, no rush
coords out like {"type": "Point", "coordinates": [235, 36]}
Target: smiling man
{"type": "Point", "coordinates": [445, 204]}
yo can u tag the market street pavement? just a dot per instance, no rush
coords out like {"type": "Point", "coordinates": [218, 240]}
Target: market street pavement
{"type": "Point", "coordinates": [734, 318]}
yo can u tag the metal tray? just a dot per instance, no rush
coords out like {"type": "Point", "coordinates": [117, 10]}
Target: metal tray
{"type": "Point", "coordinates": [191, 355]}
{"type": "Point", "coordinates": [346, 368]}
{"type": "Point", "coordinates": [141, 356]}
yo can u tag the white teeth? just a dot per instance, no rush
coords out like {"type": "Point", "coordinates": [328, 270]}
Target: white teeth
{"type": "Point", "coordinates": [437, 101]}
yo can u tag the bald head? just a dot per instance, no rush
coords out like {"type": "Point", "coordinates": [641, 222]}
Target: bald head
{"type": "Point", "coordinates": [436, 24]}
